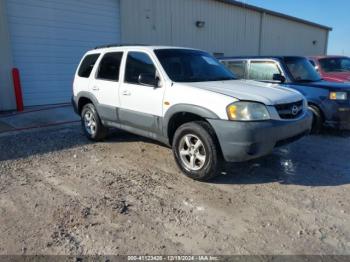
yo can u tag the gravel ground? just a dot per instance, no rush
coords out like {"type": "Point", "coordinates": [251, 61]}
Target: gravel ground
{"type": "Point", "coordinates": [61, 194]}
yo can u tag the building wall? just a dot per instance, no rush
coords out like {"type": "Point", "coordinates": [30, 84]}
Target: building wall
{"type": "Point", "coordinates": [7, 98]}
{"type": "Point", "coordinates": [285, 37]}
{"type": "Point", "coordinates": [48, 39]}
{"type": "Point", "coordinates": [228, 29]}
{"type": "Point", "coordinates": [168, 22]}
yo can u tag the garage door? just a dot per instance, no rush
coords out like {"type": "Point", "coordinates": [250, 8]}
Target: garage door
{"type": "Point", "coordinates": [48, 38]}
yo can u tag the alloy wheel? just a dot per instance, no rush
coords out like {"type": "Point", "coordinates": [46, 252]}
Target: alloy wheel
{"type": "Point", "coordinates": [192, 152]}
{"type": "Point", "coordinates": [90, 122]}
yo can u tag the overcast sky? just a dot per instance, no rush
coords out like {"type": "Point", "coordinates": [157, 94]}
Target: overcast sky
{"type": "Point", "coordinates": [332, 13]}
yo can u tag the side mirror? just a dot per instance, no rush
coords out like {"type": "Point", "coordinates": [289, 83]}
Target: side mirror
{"type": "Point", "coordinates": [278, 77]}
{"type": "Point", "coordinates": [148, 80]}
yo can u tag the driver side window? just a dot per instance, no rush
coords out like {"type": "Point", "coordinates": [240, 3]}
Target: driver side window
{"type": "Point", "coordinates": [138, 63]}
{"type": "Point", "coordinates": [263, 70]}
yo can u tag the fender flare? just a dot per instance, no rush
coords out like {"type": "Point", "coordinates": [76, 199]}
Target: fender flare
{"type": "Point", "coordinates": [88, 95]}
{"type": "Point", "coordinates": [186, 108]}
{"type": "Point", "coordinates": [318, 104]}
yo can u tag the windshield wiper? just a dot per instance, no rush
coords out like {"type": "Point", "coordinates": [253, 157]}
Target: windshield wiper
{"type": "Point", "coordinates": [306, 80]}
{"type": "Point", "coordinates": [222, 79]}
{"type": "Point", "coordinates": [193, 79]}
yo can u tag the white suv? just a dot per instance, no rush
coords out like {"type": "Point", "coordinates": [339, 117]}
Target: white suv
{"type": "Point", "coordinates": [188, 100]}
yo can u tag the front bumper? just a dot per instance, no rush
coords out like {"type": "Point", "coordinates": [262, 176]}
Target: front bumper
{"type": "Point", "coordinates": [242, 141]}
{"type": "Point", "coordinates": [339, 117]}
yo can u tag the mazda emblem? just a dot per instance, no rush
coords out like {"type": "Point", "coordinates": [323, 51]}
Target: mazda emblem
{"type": "Point", "coordinates": [295, 110]}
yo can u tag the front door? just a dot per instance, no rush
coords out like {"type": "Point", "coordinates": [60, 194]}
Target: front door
{"type": "Point", "coordinates": [140, 105]}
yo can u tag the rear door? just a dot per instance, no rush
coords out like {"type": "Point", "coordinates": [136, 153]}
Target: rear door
{"type": "Point", "coordinates": [106, 85]}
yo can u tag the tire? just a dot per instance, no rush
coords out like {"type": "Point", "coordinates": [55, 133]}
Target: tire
{"type": "Point", "coordinates": [91, 123]}
{"type": "Point", "coordinates": [199, 161]}
{"type": "Point", "coordinates": [317, 122]}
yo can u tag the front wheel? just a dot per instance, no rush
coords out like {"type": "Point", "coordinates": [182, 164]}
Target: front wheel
{"type": "Point", "coordinates": [195, 150]}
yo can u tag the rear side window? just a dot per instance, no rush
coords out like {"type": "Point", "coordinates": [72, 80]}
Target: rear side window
{"type": "Point", "coordinates": [110, 66]}
{"type": "Point", "coordinates": [87, 65]}
{"type": "Point", "coordinates": [238, 68]}
{"type": "Point", "coordinates": [263, 70]}
{"type": "Point", "coordinates": [136, 64]}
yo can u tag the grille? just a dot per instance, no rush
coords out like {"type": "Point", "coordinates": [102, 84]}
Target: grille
{"type": "Point", "coordinates": [290, 110]}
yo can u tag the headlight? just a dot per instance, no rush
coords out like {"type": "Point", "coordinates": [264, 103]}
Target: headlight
{"type": "Point", "coordinates": [338, 96]}
{"type": "Point", "coordinates": [247, 111]}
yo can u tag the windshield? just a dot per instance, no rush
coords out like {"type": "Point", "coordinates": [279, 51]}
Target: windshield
{"type": "Point", "coordinates": [336, 64]}
{"type": "Point", "coordinates": [183, 65]}
{"type": "Point", "coordinates": [302, 70]}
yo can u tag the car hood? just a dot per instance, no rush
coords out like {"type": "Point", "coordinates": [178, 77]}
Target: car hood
{"type": "Point", "coordinates": [268, 94]}
{"type": "Point", "coordinates": [337, 76]}
{"type": "Point", "coordinates": [326, 85]}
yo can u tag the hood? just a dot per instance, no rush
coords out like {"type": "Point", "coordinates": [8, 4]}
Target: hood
{"type": "Point", "coordinates": [268, 94]}
{"type": "Point", "coordinates": [337, 76]}
{"type": "Point", "coordinates": [326, 85]}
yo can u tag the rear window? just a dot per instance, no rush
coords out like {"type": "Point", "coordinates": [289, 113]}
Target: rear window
{"type": "Point", "coordinates": [87, 65]}
{"type": "Point", "coordinates": [238, 68]}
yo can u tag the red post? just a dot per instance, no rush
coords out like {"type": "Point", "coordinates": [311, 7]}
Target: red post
{"type": "Point", "coordinates": [18, 89]}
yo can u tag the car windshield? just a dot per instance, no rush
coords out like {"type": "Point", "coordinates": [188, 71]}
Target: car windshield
{"type": "Point", "coordinates": [302, 70]}
{"type": "Point", "coordinates": [183, 65]}
{"type": "Point", "coordinates": [335, 64]}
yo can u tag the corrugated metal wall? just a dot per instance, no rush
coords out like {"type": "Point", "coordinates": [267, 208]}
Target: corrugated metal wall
{"type": "Point", "coordinates": [7, 98]}
{"type": "Point", "coordinates": [48, 39]}
{"type": "Point", "coordinates": [228, 29]}
{"type": "Point", "coordinates": [282, 36]}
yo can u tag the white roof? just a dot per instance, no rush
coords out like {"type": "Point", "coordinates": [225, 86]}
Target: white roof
{"type": "Point", "coordinates": [112, 48]}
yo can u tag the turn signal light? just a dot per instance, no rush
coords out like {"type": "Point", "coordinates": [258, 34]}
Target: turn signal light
{"type": "Point", "coordinates": [232, 111]}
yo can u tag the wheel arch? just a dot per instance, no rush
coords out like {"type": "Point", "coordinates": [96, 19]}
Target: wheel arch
{"type": "Point", "coordinates": [317, 106]}
{"type": "Point", "coordinates": [84, 98]}
{"type": "Point", "coordinates": [184, 113]}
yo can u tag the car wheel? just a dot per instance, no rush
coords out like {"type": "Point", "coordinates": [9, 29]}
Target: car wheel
{"type": "Point", "coordinates": [317, 122]}
{"type": "Point", "coordinates": [195, 150]}
{"type": "Point", "coordinates": [91, 123]}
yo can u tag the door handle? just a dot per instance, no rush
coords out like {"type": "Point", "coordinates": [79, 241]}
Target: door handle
{"type": "Point", "coordinates": [95, 88]}
{"type": "Point", "coordinates": [126, 93]}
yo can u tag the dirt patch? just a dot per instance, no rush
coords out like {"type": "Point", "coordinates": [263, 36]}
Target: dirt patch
{"type": "Point", "coordinates": [60, 194]}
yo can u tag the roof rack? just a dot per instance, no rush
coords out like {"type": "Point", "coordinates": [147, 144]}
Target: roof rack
{"type": "Point", "coordinates": [117, 45]}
